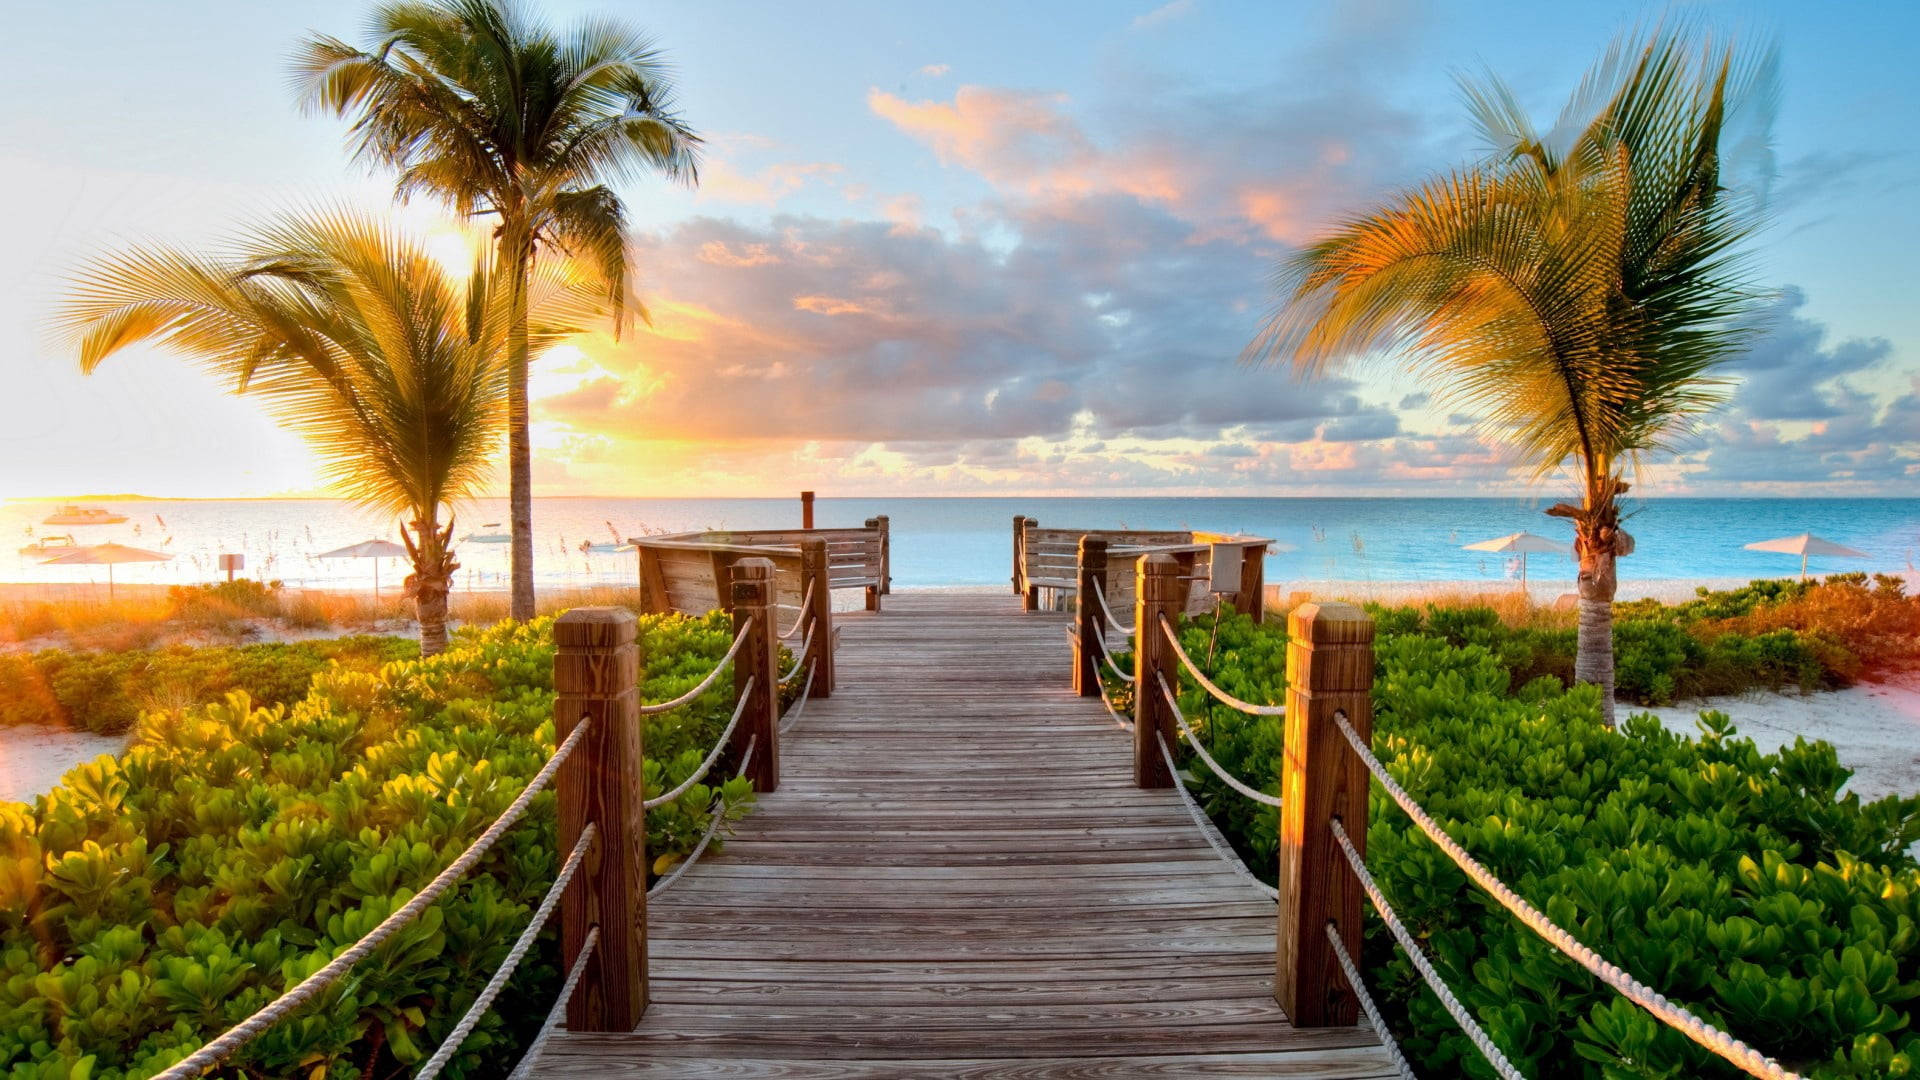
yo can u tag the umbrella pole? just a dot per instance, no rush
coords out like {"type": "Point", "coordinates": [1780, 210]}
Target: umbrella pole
{"type": "Point", "coordinates": [1803, 566]}
{"type": "Point", "coordinates": [109, 583]}
{"type": "Point", "coordinates": [376, 581]}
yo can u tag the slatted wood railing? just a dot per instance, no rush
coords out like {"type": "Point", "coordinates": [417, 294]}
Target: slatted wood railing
{"type": "Point", "coordinates": [1226, 565]}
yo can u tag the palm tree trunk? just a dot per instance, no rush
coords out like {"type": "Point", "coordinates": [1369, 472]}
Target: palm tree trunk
{"type": "Point", "coordinates": [517, 255]}
{"type": "Point", "coordinates": [1593, 663]}
{"type": "Point", "coordinates": [430, 548]}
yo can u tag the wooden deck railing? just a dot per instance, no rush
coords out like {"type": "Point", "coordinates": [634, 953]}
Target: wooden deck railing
{"type": "Point", "coordinates": [688, 572]}
{"type": "Point", "coordinates": [1230, 566]}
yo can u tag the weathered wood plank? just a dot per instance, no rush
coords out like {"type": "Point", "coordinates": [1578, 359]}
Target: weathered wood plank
{"type": "Point", "coordinates": [958, 877]}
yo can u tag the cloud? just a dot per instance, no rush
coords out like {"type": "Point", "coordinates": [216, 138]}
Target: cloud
{"type": "Point", "coordinates": [1790, 373]}
{"type": "Point", "coordinates": [1165, 13]}
{"type": "Point", "coordinates": [935, 71]}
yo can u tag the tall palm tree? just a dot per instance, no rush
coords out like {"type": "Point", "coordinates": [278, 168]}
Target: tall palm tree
{"type": "Point", "coordinates": [479, 103]}
{"type": "Point", "coordinates": [1575, 289]}
{"type": "Point", "coordinates": [355, 338]}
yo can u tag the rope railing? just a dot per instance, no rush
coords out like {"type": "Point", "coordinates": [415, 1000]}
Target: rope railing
{"type": "Point", "coordinates": [1208, 684]}
{"type": "Point", "coordinates": [1352, 971]}
{"type": "Point", "coordinates": [739, 639]}
{"type": "Point", "coordinates": [719, 747]}
{"type": "Point", "coordinates": [1675, 1016]}
{"type": "Point", "coordinates": [806, 605]}
{"type": "Point", "coordinates": [217, 1051]}
{"type": "Point", "coordinates": [800, 657]}
{"type": "Point", "coordinates": [483, 1003]}
{"type": "Point", "coordinates": [1208, 830]}
{"type": "Point", "coordinates": [715, 817]}
{"type": "Point", "coordinates": [1474, 1032]}
{"type": "Point", "coordinates": [1226, 777]}
{"type": "Point", "coordinates": [559, 1010]}
{"type": "Point", "coordinates": [799, 705]}
{"type": "Point", "coordinates": [1100, 594]}
{"type": "Point", "coordinates": [1106, 655]}
{"type": "Point", "coordinates": [1126, 724]}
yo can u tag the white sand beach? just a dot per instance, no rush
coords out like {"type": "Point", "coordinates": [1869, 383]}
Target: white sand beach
{"type": "Point", "coordinates": [33, 758]}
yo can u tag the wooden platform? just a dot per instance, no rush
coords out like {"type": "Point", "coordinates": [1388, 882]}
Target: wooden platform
{"type": "Point", "coordinates": [957, 878]}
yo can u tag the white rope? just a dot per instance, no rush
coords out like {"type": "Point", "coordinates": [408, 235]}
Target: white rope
{"type": "Point", "coordinates": [559, 1010]}
{"type": "Point", "coordinates": [719, 746]}
{"type": "Point", "coordinates": [452, 1043]}
{"type": "Point", "coordinates": [1676, 1016]}
{"type": "Point", "coordinates": [1474, 1032]}
{"type": "Point", "coordinates": [799, 704]}
{"type": "Point", "coordinates": [1106, 655]}
{"type": "Point", "coordinates": [806, 602]}
{"type": "Point", "coordinates": [1228, 778]}
{"type": "Point", "coordinates": [715, 817]}
{"type": "Point", "coordinates": [240, 1034]}
{"type": "Point", "coordinates": [1207, 830]}
{"type": "Point", "coordinates": [1118, 717]}
{"type": "Point", "coordinates": [1194, 670]}
{"type": "Point", "coordinates": [739, 639]}
{"type": "Point", "coordinates": [1100, 594]}
{"type": "Point", "coordinates": [800, 657]}
{"type": "Point", "coordinates": [1367, 1006]}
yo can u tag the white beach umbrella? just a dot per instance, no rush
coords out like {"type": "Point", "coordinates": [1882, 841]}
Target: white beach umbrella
{"type": "Point", "coordinates": [368, 549]}
{"type": "Point", "coordinates": [1521, 544]}
{"type": "Point", "coordinates": [106, 555]}
{"type": "Point", "coordinates": [1804, 545]}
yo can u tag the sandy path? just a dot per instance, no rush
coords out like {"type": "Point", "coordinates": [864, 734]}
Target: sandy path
{"type": "Point", "coordinates": [33, 758]}
{"type": "Point", "coordinates": [1874, 727]}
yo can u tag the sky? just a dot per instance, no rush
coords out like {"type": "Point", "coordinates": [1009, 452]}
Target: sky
{"type": "Point", "coordinates": [966, 249]}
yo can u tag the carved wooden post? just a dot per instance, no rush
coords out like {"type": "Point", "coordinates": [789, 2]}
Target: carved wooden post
{"type": "Point", "coordinates": [751, 597]}
{"type": "Point", "coordinates": [1019, 540]}
{"type": "Point", "coordinates": [819, 613]}
{"type": "Point", "coordinates": [596, 678]}
{"type": "Point", "coordinates": [806, 509]}
{"type": "Point", "coordinates": [1158, 590]}
{"type": "Point", "coordinates": [1091, 625]}
{"type": "Point", "coordinates": [886, 554]}
{"type": "Point", "coordinates": [1329, 670]}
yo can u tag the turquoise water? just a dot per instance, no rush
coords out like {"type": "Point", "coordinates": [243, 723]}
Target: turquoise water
{"type": "Point", "coordinates": [968, 541]}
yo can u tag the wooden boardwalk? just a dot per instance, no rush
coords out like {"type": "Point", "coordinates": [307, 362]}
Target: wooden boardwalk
{"type": "Point", "coordinates": [957, 878]}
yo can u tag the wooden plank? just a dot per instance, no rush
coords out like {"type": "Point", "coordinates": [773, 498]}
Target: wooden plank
{"type": "Point", "coordinates": [959, 877]}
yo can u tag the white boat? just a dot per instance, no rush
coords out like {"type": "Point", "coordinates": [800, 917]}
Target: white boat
{"type": "Point", "coordinates": [49, 546]}
{"type": "Point", "coordinates": [489, 537]}
{"type": "Point", "coordinates": [603, 549]}
{"type": "Point", "coordinates": [83, 515]}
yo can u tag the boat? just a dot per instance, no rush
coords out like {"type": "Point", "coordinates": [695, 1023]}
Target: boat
{"type": "Point", "coordinates": [489, 537]}
{"type": "Point", "coordinates": [603, 549]}
{"type": "Point", "coordinates": [49, 546]}
{"type": "Point", "coordinates": [83, 515]}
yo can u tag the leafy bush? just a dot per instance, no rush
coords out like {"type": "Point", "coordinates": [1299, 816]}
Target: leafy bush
{"type": "Point", "coordinates": [153, 901]}
{"type": "Point", "coordinates": [105, 692]}
{"type": "Point", "coordinates": [1736, 882]}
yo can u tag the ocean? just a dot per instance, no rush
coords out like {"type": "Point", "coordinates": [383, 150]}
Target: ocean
{"type": "Point", "coordinates": [967, 541]}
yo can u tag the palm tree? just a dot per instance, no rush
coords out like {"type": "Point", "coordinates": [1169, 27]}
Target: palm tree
{"type": "Point", "coordinates": [482, 105]}
{"type": "Point", "coordinates": [1575, 290]}
{"type": "Point", "coordinates": [352, 336]}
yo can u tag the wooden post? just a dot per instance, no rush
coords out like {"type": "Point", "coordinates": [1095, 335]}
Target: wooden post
{"type": "Point", "coordinates": [806, 509]}
{"type": "Point", "coordinates": [1029, 593]}
{"type": "Point", "coordinates": [653, 582]}
{"type": "Point", "coordinates": [1019, 540]}
{"type": "Point", "coordinates": [813, 561]}
{"type": "Point", "coordinates": [1158, 589]}
{"type": "Point", "coordinates": [886, 554]}
{"type": "Point", "coordinates": [1091, 625]}
{"type": "Point", "coordinates": [751, 597]}
{"type": "Point", "coordinates": [1253, 582]}
{"type": "Point", "coordinates": [1329, 670]}
{"type": "Point", "coordinates": [879, 587]}
{"type": "Point", "coordinates": [596, 679]}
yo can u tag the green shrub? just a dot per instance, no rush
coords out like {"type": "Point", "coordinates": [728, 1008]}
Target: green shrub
{"type": "Point", "coordinates": [105, 692]}
{"type": "Point", "coordinates": [1736, 882]}
{"type": "Point", "coordinates": [152, 901]}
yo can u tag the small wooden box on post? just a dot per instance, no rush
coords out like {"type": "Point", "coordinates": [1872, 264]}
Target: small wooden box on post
{"type": "Point", "coordinates": [1091, 624]}
{"type": "Point", "coordinates": [1329, 671]}
{"type": "Point", "coordinates": [1160, 591]}
{"type": "Point", "coordinates": [756, 671]}
{"type": "Point", "coordinates": [818, 618]}
{"type": "Point", "coordinates": [596, 679]}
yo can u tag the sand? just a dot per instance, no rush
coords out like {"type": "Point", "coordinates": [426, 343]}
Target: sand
{"type": "Point", "coordinates": [1874, 728]}
{"type": "Point", "coordinates": [34, 758]}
